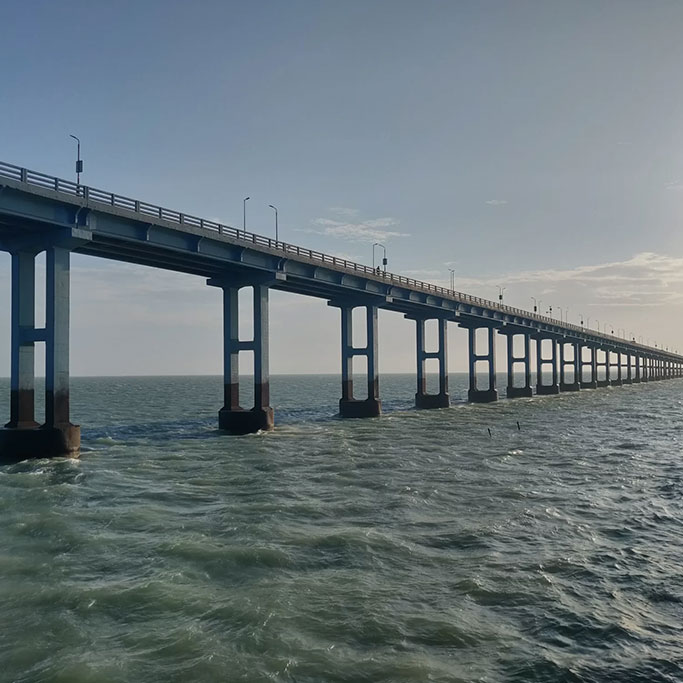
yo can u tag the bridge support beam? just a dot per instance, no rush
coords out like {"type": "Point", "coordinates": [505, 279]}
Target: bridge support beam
{"type": "Point", "coordinates": [475, 394]}
{"type": "Point", "coordinates": [591, 382]}
{"type": "Point", "coordinates": [636, 379]}
{"type": "Point", "coordinates": [349, 406]}
{"type": "Point", "coordinates": [423, 400]}
{"type": "Point", "coordinates": [574, 364]}
{"type": "Point", "coordinates": [22, 437]}
{"type": "Point", "coordinates": [553, 387]}
{"type": "Point", "coordinates": [512, 391]}
{"type": "Point", "coordinates": [232, 417]}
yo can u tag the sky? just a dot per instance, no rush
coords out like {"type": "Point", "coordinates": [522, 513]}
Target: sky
{"type": "Point", "coordinates": [535, 146]}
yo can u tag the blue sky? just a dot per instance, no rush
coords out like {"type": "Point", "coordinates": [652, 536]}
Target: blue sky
{"type": "Point", "coordinates": [533, 145]}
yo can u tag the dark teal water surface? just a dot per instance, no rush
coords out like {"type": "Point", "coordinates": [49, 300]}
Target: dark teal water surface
{"type": "Point", "coordinates": [414, 547]}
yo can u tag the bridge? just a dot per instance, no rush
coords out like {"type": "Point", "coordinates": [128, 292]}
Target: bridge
{"type": "Point", "coordinates": [41, 213]}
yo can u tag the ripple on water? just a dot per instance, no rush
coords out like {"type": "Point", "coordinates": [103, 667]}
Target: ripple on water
{"type": "Point", "coordinates": [411, 548]}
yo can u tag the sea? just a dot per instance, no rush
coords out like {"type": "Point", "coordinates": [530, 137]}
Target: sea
{"type": "Point", "coordinates": [531, 540]}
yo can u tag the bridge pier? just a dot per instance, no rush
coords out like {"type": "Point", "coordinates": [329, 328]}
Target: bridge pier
{"type": "Point", "coordinates": [636, 369]}
{"type": "Point", "coordinates": [22, 437]}
{"type": "Point", "coordinates": [605, 364]}
{"type": "Point", "coordinates": [553, 387]}
{"type": "Point", "coordinates": [573, 363]}
{"type": "Point", "coordinates": [232, 417]}
{"type": "Point", "coordinates": [526, 390]}
{"type": "Point", "coordinates": [629, 369]}
{"type": "Point", "coordinates": [349, 406]}
{"type": "Point", "coordinates": [591, 383]}
{"type": "Point", "coordinates": [423, 400]}
{"type": "Point", "coordinates": [617, 381]}
{"type": "Point", "coordinates": [474, 394]}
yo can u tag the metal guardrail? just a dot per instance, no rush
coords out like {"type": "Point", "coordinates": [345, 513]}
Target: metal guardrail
{"type": "Point", "coordinates": [95, 196]}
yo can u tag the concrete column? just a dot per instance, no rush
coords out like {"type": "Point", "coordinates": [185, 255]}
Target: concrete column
{"type": "Point", "coordinates": [22, 410]}
{"type": "Point", "coordinates": [422, 398]}
{"type": "Point", "coordinates": [629, 369]}
{"type": "Point", "coordinates": [591, 382]}
{"type": "Point", "coordinates": [574, 363]}
{"type": "Point", "coordinates": [605, 364]}
{"type": "Point", "coordinates": [348, 405]}
{"type": "Point", "coordinates": [512, 391]}
{"type": "Point", "coordinates": [57, 338]}
{"type": "Point", "coordinates": [373, 352]}
{"type": "Point", "coordinates": [261, 338]}
{"type": "Point", "coordinates": [553, 387]}
{"type": "Point", "coordinates": [22, 438]}
{"type": "Point", "coordinates": [346, 352]}
{"type": "Point", "coordinates": [616, 380]}
{"type": "Point", "coordinates": [475, 394]}
{"type": "Point", "coordinates": [232, 417]}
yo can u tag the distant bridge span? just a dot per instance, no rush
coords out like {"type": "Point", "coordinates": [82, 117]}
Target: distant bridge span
{"type": "Point", "coordinates": [40, 213]}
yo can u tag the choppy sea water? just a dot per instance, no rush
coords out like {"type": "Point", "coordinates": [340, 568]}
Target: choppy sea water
{"type": "Point", "coordinates": [414, 547]}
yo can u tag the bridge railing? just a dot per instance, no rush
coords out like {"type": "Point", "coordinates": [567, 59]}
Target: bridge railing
{"type": "Point", "coordinates": [91, 194]}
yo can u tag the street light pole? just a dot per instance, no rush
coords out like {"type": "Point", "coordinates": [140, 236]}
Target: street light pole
{"type": "Point", "coordinates": [452, 271]}
{"type": "Point", "coordinates": [384, 258]}
{"type": "Point", "coordinates": [244, 215]}
{"type": "Point", "coordinates": [79, 162]}
{"type": "Point", "coordinates": [276, 232]}
{"type": "Point", "coordinates": [500, 293]}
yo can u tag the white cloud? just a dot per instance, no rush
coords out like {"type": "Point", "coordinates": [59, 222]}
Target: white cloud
{"type": "Point", "coordinates": [674, 185]}
{"type": "Point", "coordinates": [373, 230]}
{"type": "Point", "coordinates": [646, 279]}
{"type": "Point", "coordinates": [496, 202]}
